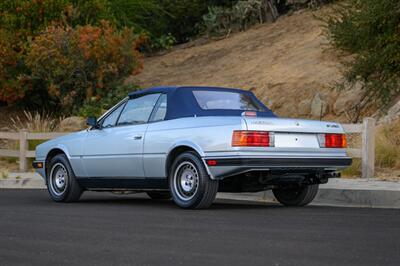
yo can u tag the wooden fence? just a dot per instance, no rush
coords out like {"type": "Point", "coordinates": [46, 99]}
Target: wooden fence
{"type": "Point", "coordinates": [23, 137]}
{"type": "Point", "coordinates": [366, 153]}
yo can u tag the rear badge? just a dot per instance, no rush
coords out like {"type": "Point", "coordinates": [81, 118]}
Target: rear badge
{"type": "Point", "coordinates": [261, 123]}
{"type": "Point", "coordinates": [332, 125]}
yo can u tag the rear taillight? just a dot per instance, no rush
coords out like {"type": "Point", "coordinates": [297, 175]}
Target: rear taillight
{"type": "Point", "coordinates": [243, 138]}
{"type": "Point", "coordinates": [332, 140]}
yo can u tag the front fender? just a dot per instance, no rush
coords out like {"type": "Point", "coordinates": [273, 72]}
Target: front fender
{"type": "Point", "coordinates": [63, 148]}
{"type": "Point", "coordinates": [42, 154]}
{"type": "Point", "coordinates": [43, 150]}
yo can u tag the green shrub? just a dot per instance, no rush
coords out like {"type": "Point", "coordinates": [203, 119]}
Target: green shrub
{"type": "Point", "coordinates": [248, 12]}
{"type": "Point", "coordinates": [244, 13]}
{"type": "Point", "coordinates": [20, 22]}
{"type": "Point", "coordinates": [47, 60]}
{"type": "Point", "coordinates": [26, 17]}
{"type": "Point", "coordinates": [145, 15]}
{"type": "Point", "coordinates": [369, 29]}
{"type": "Point", "coordinates": [179, 19]}
{"type": "Point", "coordinates": [96, 107]}
{"type": "Point", "coordinates": [162, 18]}
{"type": "Point", "coordinates": [183, 16]}
{"type": "Point", "coordinates": [83, 12]}
{"type": "Point", "coordinates": [164, 42]}
{"type": "Point", "coordinates": [217, 21]}
{"type": "Point", "coordinates": [74, 65]}
{"type": "Point", "coordinates": [13, 85]}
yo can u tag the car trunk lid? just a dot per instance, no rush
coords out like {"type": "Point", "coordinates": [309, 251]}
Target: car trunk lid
{"type": "Point", "coordinates": [293, 133]}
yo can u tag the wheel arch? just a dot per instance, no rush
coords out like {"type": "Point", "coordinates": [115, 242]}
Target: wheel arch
{"type": "Point", "coordinates": [50, 155]}
{"type": "Point", "coordinates": [180, 148]}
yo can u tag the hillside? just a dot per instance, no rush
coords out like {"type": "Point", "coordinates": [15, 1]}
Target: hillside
{"type": "Point", "coordinates": [288, 64]}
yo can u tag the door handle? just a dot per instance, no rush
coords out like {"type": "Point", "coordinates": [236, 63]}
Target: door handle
{"type": "Point", "coordinates": [137, 137]}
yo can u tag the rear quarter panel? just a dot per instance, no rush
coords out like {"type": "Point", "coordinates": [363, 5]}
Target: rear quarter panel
{"type": "Point", "coordinates": [204, 134]}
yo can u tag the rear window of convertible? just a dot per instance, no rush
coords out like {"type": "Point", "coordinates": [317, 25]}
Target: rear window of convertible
{"type": "Point", "coordinates": [212, 100]}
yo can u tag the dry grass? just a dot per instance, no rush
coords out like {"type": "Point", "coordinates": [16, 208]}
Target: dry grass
{"type": "Point", "coordinates": [33, 122]}
{"type": "Point", "coordinates": [354, 171]}
{"type": "Point", "coordinates": [7, 165]}
{"type": "Point", "coordinates": [388, 146]}
{"type": "Point", "coordinates": [387, 154]}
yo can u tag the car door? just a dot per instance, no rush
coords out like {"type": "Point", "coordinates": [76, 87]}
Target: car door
{"type": "Point", "coordinates": [115, 149]}
{"type": "Point", "coordinates": [157, 141]}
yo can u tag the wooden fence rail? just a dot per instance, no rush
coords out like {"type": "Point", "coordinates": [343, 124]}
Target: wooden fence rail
{"type": "Point", "coordinates": [23, 137]}
{"type": "Point", "coordinates": [366, 153]}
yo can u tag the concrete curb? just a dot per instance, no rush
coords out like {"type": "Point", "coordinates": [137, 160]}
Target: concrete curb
{"type": "Point", "coordinates": [338, 192]}
{"type": "Point", "coordinates": [22, 181]}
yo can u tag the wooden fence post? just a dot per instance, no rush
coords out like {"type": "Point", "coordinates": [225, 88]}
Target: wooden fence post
{"type": "Point", "coordinates": [23, 147]}
{"type": "Point", "coordinates": [368, 148]}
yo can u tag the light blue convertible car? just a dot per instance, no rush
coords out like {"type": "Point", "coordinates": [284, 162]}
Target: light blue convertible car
{"type": "Point", "coordinates": [188, 143]}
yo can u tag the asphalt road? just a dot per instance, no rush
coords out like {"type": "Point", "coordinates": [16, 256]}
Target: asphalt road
{"type": "Point", "coordinates": [106, 229]}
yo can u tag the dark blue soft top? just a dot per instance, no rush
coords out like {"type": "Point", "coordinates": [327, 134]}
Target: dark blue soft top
{"type": "Point", "coordinates": [182, 103]}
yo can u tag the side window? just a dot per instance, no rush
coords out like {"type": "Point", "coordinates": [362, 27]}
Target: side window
{"type": "Point", "coordinates": [138, 110]}
{"type": "Point", "coordinates": [160, 110]}
{"type": "Point", "coordinates": [111, 119]}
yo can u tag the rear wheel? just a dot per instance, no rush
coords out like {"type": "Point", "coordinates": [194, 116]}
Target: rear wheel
{"type": "Point", "coordinates": [189, 183]}
{"type": "Point", "coordinates": [159, 195]}
{"type": "Point", "coordinates": [296, 196]}
{"type": "Point", "coordinates": [61, 183]}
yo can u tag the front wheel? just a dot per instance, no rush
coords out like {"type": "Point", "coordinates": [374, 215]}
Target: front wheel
{"type": "Point", "coordinates": [296, 196]}
{"type": "Point", "coordinates": [61, 181]}
{"type": "Point", "coordinates": [189, 183]}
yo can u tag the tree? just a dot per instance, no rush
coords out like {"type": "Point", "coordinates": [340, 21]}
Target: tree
{"type": "Point", "coordinates": [370, 30]}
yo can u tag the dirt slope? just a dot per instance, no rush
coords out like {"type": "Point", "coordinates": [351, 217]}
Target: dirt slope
{"type": "Point", "coordinates": [286, 62]}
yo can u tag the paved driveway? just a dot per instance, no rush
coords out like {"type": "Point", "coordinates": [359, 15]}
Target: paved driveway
{"type": "Point", "coordinates": [105, 229]}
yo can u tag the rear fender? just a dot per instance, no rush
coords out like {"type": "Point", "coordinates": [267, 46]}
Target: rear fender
{"type": "Point", "coordinates": [190, 144]}
{"type": "Point", "coordinates": [195, 147]}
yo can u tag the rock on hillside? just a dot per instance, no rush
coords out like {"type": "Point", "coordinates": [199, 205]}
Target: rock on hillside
{"type": "Point", "coordinates": [288, 64]}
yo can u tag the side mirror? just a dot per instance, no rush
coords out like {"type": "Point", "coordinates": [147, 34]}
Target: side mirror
{"type": "Point", "coordinates": [91, 121]}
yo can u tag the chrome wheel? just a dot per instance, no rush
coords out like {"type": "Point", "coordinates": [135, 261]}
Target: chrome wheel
{"type": "Point", "coordinates": [186, 180]}
{"type": "Point", "coordinates": [58, 179]}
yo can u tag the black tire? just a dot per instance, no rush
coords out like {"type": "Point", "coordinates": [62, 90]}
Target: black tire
{"type": "Point", "coordinates": [296, 196]}
{"type": "Point", "coordinates": [159, 195]}
{"type": "Point", "coordinates": [61, 182]}
{"type": "Point", "coordinates": [189, 183]}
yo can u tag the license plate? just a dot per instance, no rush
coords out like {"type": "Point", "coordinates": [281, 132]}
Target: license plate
{"type": "Point", "coordinates": [296, 140]}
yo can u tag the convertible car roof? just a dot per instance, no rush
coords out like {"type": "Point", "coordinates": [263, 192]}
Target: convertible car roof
{"type": "Point", "coordinates": [182, 103]}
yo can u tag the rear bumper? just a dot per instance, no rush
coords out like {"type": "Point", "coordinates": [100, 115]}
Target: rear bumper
{"type": "Point", "coordinates": [225, 167]}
